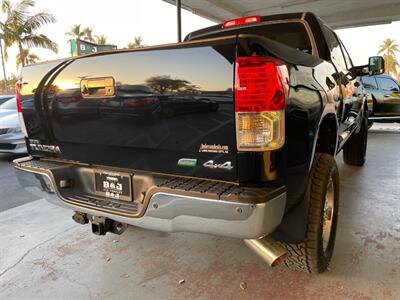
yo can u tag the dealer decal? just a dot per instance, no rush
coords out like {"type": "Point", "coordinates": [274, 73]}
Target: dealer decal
{"type": "Point", "coordinates": [215, 148]}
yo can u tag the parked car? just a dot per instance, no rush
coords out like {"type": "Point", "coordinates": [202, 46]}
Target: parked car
{"type": "Point", "coordinates": [4, 98]}
{"type": "Point", "coordinates": [186, 104]}
{"type": "Point", "coordinates": [134, 101]}
{"type": "Point", "coordinates": [12, 139]}
{"type": "Point", "coordinates": [9, 107]}
{"type": "Point", "coordinates": [260, 168]}
{"type": "Point", "coordinates": [383, 93]}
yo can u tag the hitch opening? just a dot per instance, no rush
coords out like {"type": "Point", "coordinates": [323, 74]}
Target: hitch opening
{"type": "Point", "coordinates": [100, 225]}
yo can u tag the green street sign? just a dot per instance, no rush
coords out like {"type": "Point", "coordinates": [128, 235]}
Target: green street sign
{"type": "Point", "coordinates": [79, 47]}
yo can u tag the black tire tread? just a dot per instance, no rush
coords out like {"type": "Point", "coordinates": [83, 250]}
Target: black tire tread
{"type": "Point", "coordinates": [306, 256]}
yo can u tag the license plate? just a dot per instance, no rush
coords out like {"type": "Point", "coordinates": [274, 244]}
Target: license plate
{"type": "Point", "coordinates": [112, 185]}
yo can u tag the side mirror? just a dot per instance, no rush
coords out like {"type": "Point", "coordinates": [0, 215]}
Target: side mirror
{"type": "Point", "coordinates": [376, 65]}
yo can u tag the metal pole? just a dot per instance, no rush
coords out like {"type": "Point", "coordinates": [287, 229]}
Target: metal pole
{"type": "Point", "coordinates": [178, 20]}
{"type": "Point", "coordinates": [4, 69]}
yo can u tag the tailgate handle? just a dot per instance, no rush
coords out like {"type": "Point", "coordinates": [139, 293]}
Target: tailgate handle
{"type": "Point", "coordinates": [98, 87]}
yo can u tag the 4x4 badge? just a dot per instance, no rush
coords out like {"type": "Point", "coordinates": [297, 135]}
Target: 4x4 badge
{"type": "Point", "coordinates": [210, 164]}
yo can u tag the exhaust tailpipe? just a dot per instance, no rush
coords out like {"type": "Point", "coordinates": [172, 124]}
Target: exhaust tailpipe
{"type": "Point", "coordinates": [268, 249]}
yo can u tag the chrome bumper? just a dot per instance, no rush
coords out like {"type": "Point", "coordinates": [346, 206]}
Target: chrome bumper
{"type": "Point", "coordinates": [170, 212]}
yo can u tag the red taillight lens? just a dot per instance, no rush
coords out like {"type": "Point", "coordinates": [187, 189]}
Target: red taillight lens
{"type": "Point", "coordinates": [18, 96]}
{"type": "Point", "coordinates": [261, 90]}
{"type": "Point", "coordinates": [241, 21]}
{"type": "Point", "coordinates": [261, 84]}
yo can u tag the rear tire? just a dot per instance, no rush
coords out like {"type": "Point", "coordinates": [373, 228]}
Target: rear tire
{"type": "Point", "coordinates": [322, 195]}
{"type": "Point", "coordinates": [355, 149]}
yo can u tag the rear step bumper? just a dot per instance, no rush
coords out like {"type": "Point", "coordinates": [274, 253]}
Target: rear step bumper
{"type": "Point", "coordinates": [160, 203]}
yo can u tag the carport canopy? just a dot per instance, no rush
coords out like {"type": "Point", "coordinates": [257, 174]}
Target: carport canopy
{"type": "Point", "coordinates": [337, 13]}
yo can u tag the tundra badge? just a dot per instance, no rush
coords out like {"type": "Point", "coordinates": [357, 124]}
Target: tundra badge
{"type": "Point", "coordinates": [36, 145]}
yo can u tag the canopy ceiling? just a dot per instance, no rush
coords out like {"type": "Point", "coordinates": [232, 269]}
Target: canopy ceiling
{"type": "Point", "coordinates": [337, 13]}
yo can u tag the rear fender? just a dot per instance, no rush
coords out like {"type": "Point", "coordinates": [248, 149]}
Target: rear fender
{"type": "Point", "coordinates": [294, 223]}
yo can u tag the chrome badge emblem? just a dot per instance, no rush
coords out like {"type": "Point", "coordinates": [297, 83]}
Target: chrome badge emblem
{"type": "Point", "coordinates": [211, 165]}
{"type": "Point", "coordinates": [36, 145]}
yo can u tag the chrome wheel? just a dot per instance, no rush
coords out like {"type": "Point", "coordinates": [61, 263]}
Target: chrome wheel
{"type": "Point", "coordinates": [328, 214]}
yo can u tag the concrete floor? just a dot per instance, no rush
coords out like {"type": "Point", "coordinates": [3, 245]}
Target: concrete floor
{"type": "Point", "coordinates": [44, 255]}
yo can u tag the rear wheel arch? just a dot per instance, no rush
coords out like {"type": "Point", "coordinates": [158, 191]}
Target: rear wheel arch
{"type": "Point", "coordinates": [294, 223]}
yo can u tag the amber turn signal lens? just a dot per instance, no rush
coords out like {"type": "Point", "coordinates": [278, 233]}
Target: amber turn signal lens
{"type": "Point", "coordinates": [260, 131]}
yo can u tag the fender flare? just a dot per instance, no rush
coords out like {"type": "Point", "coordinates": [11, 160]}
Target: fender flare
{"type": "Point", "coordinates": [294, 224]}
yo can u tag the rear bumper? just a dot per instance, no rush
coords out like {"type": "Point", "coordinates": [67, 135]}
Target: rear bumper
{"type": "Point", "coordinates": [173, 209]}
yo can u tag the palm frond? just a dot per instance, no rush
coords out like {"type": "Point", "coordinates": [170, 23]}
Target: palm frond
{"type": "Point", "coordinates": [20, 26]}
{"type": "Point", "coordinates": [37, 20]}
{"type": "Point", "coordinates": [75, 31]}
{"type": "Point", "coordinates": [29, 58]}
{"type": "Point", "coordinates": [101, 39]}
{"type": "Point", "coordinates": [21, 9]}
{"type": "Point", "coordinates": [41, 41]}
{"type": "Point", "coordinates": [5, 6]}
{"type": "Point", "coordinates": [88, 34]}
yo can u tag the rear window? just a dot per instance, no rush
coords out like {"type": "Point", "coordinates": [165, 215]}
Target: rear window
{"type": "Point", "coordinates": [5, 98]}
{"type": "Point", "coordinates": [388, 84]}
{"type": "Point", "coordinates": [10, 104]}
{"type": "Point", "coordinates": [292, 34]}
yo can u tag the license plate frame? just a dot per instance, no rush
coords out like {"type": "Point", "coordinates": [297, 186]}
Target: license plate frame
{"type": "Point", "coordinates": [113, 185]}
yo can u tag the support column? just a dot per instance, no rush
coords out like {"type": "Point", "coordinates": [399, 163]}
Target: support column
{"type": "Point", "coordinates": [5, 91]}
{"type": "Point", "coordinates": [178, 20]}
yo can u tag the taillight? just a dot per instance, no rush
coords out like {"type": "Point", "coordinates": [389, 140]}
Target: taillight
{"type": "Point", "coordinates": [18, 96]}
{"type": "Point", "coordinates": [18, 86]}
{"type": "Point", "coordinates": [261, 90]}
{"type": "Point", "coordinates": [241, 21]}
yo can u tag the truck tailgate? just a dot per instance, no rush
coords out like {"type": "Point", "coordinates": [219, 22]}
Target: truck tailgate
{"type": "Point", "coordinates": [161, 109]}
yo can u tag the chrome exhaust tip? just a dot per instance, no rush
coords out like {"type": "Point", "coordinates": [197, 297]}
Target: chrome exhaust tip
{"type": "Point", "coordinates": [268, 249]}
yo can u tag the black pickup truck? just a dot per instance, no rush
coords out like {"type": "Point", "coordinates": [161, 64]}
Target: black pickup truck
{"type": "Point", "coordinates": [383, 97]}
{"type": "Point", "coordinates": [232, 132]}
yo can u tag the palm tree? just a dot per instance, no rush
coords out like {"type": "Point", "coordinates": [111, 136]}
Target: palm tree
{"type": "Point", "coordinates": [30, 58]}
{"type": "Point", "coordinates": [20, 26]}
{"type": "Point", "coordinates": [389, 49]}
{"type": "Point", "coordinates": [88, 34]}
{"type": "Point", "coordinates": [137, 43]}
{"type": "Point", "coordinates": [101, 39]}
{"type": "Point", "coordinates": [76, 32]}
